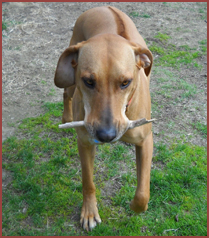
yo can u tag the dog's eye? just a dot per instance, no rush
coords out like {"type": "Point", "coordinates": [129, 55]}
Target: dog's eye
{"type": "Point", "coordinates": [125, 84]}
{"type": "Point", "coordinates": [89, 83]}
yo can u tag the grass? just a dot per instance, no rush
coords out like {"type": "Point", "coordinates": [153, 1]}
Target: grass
{"type": "Point", "coordinates": [7, 24]}
{"type": "Point", "coordinates": [170, 86]}
{"type": "Point", "coordinates": [203, 11]}
{"type": "Point", "coordinates": [44, 196]}
{"type": "Point", "coordinates": [203, 46]}
{"type": "Point", "coordinates": [202, 128]}
{"type": "Point", "coordinates": [136, 14]}
{"type": "Point", "coordinates": [162, 37]}
{"type": "Point", "coordinates": [43, 82]}
{"type": "Point", "coordinates": [4, 25]}
{"type": "Point", "coordinates": [171, 56]}
{"type": "Point", "coordinates": [52, 92]}
{"type": "Point", "coordinates": [145, 15]}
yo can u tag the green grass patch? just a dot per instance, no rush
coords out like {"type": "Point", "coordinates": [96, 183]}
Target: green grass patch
{"type": "Point", "coordinates": [4, 25]}
{"type": "Point", "coordinates": [203, 46]}
{"type": "Point", "coordinates": [44, 196]}
{"type": "Point", "coordinates": [145, 15]}
{"type": "Point", "coordinates": [52, 92]}
{"type": "Point", "coordinates": [172, 87]}
{"type": "Point", "coordinates": [171, 56]}
{"type": "Point", "coordinates": [136, 14]}
{"type": "Point", "coordinates": [162, 37]}
{"type": "Point", "coordinates": [203, 42]}
{"type": "Point", "coordinates": [43, 82]}
{"type": "Point", "coordinates": [203, 11]}
{"type": "Point", "coordinates": [202, 128]}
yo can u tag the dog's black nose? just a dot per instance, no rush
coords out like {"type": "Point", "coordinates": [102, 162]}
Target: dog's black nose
{"type": "Point", "coordinates": [106, 135]}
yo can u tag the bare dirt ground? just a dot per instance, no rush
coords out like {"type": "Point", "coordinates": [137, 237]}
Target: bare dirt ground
{"type": "Point", "coordinates": [37, 33]}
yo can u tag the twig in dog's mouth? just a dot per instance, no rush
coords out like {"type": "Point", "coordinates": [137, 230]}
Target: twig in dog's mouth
{"type": "Point", "coordinates": [131, 124]}
{"type": "Point", "coordinates": [72, 124]}
{"type": "Point", "coordinates": [140, 122]}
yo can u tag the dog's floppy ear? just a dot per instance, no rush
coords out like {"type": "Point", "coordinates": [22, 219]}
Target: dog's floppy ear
{"type": "Point", "coordinates": [65, 72]}
{"type": "Point", "coordinates": [144, 59]}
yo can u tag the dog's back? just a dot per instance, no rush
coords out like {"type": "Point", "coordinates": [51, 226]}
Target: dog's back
{"type": "Point", "coordinates": [110, 20]}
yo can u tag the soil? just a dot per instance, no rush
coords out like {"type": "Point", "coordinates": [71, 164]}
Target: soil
{"type": "Point", "coordinates": [37, 33]}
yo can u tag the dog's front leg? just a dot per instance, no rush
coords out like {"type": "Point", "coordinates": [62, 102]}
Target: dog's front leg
{"type": "Point", "coordinates": [143, 165]}
{"type": "Point", "coordinates": [89, 213]}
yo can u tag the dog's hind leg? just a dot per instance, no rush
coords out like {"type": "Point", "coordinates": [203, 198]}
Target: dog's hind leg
{"type": "Point", "coordinates": [67, 100]}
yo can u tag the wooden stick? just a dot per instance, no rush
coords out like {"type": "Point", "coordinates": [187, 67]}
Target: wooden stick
{"type": "Point", "coordinates": [72, 124]}
{"type": "Point", "coordinates": [131, 125]}
{"type": "Point", "coordinates": [140, 122]}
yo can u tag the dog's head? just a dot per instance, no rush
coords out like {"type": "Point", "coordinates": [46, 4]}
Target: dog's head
{"type": "Point", "coordinates": [105, 70]}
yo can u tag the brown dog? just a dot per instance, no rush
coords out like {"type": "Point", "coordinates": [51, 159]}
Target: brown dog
{"type": "Point", "coordinates": [105, 73]}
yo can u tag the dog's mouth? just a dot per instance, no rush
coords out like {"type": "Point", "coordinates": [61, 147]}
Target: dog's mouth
{"type": "Point", "coordinates": [109, 135]}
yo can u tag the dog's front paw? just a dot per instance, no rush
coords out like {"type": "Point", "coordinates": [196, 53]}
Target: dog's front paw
{"type": "Point", "coordinates": [139, 204]}
{"type": "Point", "coordinates": [89, 215]}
